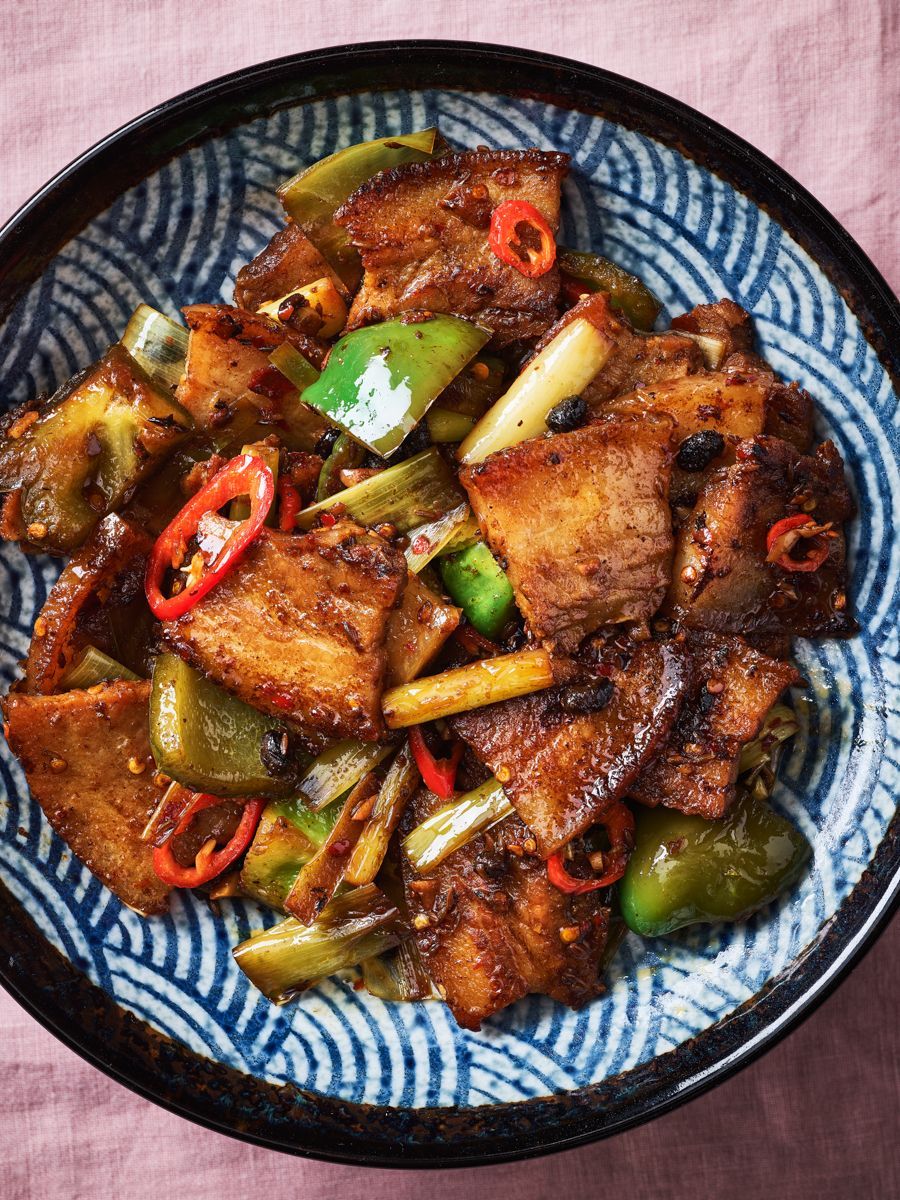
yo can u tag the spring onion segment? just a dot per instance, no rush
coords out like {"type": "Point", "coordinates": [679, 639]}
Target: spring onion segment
{"type": "Point", "coordinates": [338, 769]}
{"type": "Point", "coordinates": [157, 343]}
{"type": "Point", "coordinates": [288, 958]}
{"type": "Point", "coordinates": [452, 826]}
{"type": "Point", "coordinates": [712, 348]}
{"type": "Point", "coordinates": [406, 495]}
{"type": "Point", "coordinates": [563, 368]}
{"type": "Point", "coordinates": [368, 854]}
{"type": "Point", "coordinates": [91, 667]}
{"type": "Point", "coordinates": [312, 197]}
{"type": "Point", "coordinates": [471, 686]}
{"type": "Point", "coordinates": [380, 381]}
{"type": "Point", "coordinates": [322, 308]}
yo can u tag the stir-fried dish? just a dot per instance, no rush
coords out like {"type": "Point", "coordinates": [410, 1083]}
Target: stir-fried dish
{"type": "Point", "coordinates": [427, 594]}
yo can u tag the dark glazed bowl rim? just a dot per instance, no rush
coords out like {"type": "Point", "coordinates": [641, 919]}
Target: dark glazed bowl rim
{"type": "Point", "coordinates": [285, 1118]}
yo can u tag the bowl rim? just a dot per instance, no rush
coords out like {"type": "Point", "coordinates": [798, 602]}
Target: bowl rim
{"type": "Point", "coordinates": [492, 1133]}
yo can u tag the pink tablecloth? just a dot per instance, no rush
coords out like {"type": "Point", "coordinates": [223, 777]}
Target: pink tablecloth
{"type": "Point", "coordinates": [815, 84]}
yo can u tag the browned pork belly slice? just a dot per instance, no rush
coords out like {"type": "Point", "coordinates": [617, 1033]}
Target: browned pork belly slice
{"type": "Point", "coordinates": [637, 359]}
{"type": "Point", "coordinates": [737, 406]}
{"type": "Point", "coordinates": [422, 233]}
{"type": "Point", "coordinates": [723, 320]}
{"type": "Point", "coordinates": [581, 523]}
{"type": "Point", "coordinates": [721, 580]}
{"type": "Point", "coordinates": [87, 760]}
{"type": "Point", "coordinates": [416, 631]}
{"type": "Point", "coordinates": [227, 359]}
{"type": "Point", "coordinates": [561, 767]}
{"type": "Point", "coordinates": [491, 928]}
{"type": "Point", "coordinates": [733, 688]}
{"type": "Point", "coordinates": [98, 600]}
{"type": "Point", "coordinates": [298, 628]}
{"type": "Point", "coordinates": [287, 262]}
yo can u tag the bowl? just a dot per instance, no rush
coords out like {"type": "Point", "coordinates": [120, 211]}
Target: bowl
{"type": "Point", "coordinates": [165, 211]}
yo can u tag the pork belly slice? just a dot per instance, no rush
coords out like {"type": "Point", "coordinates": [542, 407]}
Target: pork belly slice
{"type": "Point", "coordinates": [97, 600]}
{"type": "Point", "coordinates": [228, 357]}
{"type": "Point", "coordinates": [561, 770]}
{"type": "Point", "coordinates": [735, 405]}
{"type": "Point", "coordinates": [581, 524]}
{"type": "Point", "coordinates": [417, 630]}
{"type": "Point", "coordinates": [724, 320]}
{"type": "Point", "coordinates": [289, 261]}
{"type": "Point", "coordinates": [638, 359]}
{"type": "Point", "coordinates": [422, 232]}
{"type": "Point", "coordinates": [720, 578]}
{"type": "Point", "coordinates": [298, 628]}
{"type": "Point", "coordinates": [76, 749]}
{"type": "Point", "coordinates": [488, 925]}
{"type": "Point", "coordinates": [733, 688]}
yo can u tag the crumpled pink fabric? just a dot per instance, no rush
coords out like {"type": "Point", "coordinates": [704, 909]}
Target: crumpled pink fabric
{"type": "Point", "coordinates": [813, 83]}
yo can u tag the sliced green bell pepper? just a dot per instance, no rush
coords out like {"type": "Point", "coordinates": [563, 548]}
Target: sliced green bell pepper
{"type": "Point", "coordinates": [103, 432]}
{"type": "Point", "coordinates": [626, 292]}
{"type": "Point", "coordinates": [686, 870]}
{"type": "Point", "coordinates": [312, 197]}
{"type": "Point", "coordinates": [288, 835]}
{"type": "Point", "coordinates": [379, 381]}
{"type": "Point", "coordinates": [206, 739]}
{"type": "Point", "coordinates": [477, 583]}
{"type": "Point", "coordinates": [345, 453]}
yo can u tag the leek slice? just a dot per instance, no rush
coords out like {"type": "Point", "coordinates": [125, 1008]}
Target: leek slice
{"type": "Point", "coordinates": [406, 495]}
{"type": "Point", "coordinates": [452, 826]}
{"type": "Point", "coordinates": [338, 769]}
{"type": "Point", "coordinates": [436, 537]}
{"type": "Point", "coordinates": [288, 958]}
{"type": "Point", "coordinates": [779, 725]}
{"type": "Point", "coordinates": [312, 197]}
{"type": "Point", "coordinates": [368, 854]}
{"type": "Point", "coordinates": [157, 343]}
{"type": "Point", "coordinates": [563, 368]}
{"type": "Point", "coordinates": [473, 686]}
{"type": "Point", "coordinates": [91, 667]}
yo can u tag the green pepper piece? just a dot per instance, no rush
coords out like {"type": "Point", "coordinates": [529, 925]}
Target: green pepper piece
{"type": "Point", "coordinates": [312, 197]}
{"type": "Point", "coordinates": [345, 453]}
{"type": "Point", "coordinates": [626, 292]}
{"type": "Point", "coordinates": [206, 739]}
{"type": "Point", "coordinates": [288, 835]}
{"type": "Point", "coordinates": [686, 870]}
{"type": "Point", "coordinates": [99, 435]}
{"type": "Point", "coordinates": [379, 381]}
{"type": "Point", "coordinates": [475, 581]}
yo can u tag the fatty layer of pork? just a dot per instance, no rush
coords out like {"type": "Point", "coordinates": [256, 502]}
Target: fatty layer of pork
{"type": "Point", "coordinates": [721, 580]}
{"type": "Point", "coordinates": [732, 689]}
{"type": "Point", "coordinates": [491, 928]}
{"type": "Point", "coordinates": [298, 628]}
{"type": "Point", "coordinates": [422, 233]}
{"type": "Point", "coordinates": [564, 754]}
{"type": "Point", "coordinates": [87, 760]}
{"type": "Point", "coordinates": [580, 522]}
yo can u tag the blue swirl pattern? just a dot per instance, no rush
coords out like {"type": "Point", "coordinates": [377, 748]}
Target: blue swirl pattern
{"type": "Point", "coordinates": [179, 237]}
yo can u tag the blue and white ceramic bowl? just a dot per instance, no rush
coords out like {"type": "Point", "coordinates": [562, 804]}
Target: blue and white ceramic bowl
{"type": "Point", "coordinates": [166, 211]}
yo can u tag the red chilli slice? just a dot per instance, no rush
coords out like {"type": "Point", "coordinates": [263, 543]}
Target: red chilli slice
{"type": "Point", "coordinates": [243, 476]}
{"type": "Point", "coordinates": [511, 223]}
{"type": "Point", "coordinates": [618, 822]}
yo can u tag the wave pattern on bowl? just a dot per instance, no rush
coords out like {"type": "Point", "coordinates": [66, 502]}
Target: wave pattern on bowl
{"type": "Point", "coordinates": [179, 237]}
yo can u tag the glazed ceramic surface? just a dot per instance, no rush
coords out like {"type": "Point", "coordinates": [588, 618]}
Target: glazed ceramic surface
{"type": "Point", "coordinates": [179, 236]}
